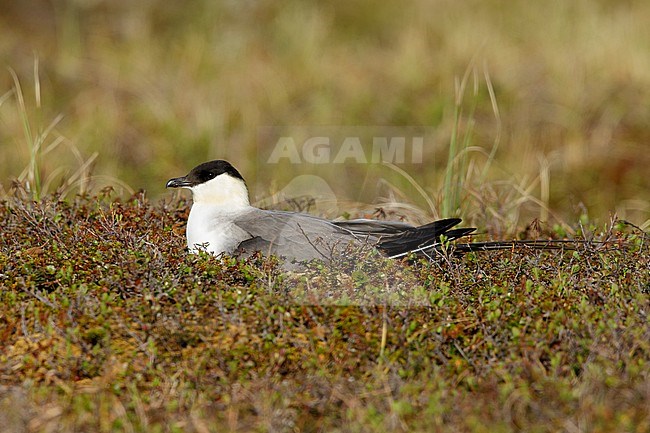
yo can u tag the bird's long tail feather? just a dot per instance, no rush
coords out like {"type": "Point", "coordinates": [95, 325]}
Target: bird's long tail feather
{"type": "Point", "coordinates": [468, 247]}
{"type": "Point", "coordinates": [549, 244]}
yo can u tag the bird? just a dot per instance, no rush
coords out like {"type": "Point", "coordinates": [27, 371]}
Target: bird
{"type": "Point", "coordinates": [223, 221]}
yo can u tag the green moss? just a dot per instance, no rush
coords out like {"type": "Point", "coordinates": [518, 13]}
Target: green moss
{"type": "Point", "coordinates": [115, 327]}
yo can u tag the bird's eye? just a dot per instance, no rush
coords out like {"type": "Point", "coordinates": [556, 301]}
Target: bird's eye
{"type": "Point", "coordinates": [209, 175]}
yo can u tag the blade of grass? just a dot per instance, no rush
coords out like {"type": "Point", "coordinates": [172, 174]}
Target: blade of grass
{"type": "Point", "coordinates": [33, 176]}
{"type": "Point", "coordinates": [497, 118]}
{"type": "Point", "coordinates": [457, 158]}
{"type": "Point", "coordinates": [412, 181]}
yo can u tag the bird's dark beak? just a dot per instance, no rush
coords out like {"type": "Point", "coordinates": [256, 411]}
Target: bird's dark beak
{"type": "Point", "coordinates": [178, 182]}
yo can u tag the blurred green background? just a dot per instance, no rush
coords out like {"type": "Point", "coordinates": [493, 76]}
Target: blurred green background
{"type": "Point", "coordinates": [147, 89]}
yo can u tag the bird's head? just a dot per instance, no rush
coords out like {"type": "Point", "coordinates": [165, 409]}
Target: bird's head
{"type": "Point", "coordinates": [214, 182]}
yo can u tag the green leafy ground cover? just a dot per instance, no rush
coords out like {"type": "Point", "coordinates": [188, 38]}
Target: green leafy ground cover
{"type": "Point", "coordinates": [106, 324]}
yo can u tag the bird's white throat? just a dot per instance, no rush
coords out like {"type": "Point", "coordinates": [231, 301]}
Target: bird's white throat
{"type": "Point", "coordinates": [223, 190]}
{"type": "Point", "coordinates": [215, 204]}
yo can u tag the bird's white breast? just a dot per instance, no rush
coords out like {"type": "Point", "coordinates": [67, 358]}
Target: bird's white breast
{"type": "Point", "coordinates": [211, 228]}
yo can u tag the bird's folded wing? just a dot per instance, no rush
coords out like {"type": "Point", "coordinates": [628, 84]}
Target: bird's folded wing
{"type": "Point", "coordinates": [373, 227]}
{"type": "Point", "coordinates": [418, 238]}
{"type": "Point", "coordinates": [294, 236]}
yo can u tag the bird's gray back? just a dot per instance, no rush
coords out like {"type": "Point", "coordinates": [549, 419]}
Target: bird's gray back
{"type": "Point", "coordinates": [294, 236]}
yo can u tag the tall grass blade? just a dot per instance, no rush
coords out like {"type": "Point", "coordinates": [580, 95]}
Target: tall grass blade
{"type": "Point", "coordinates": [33, 174]}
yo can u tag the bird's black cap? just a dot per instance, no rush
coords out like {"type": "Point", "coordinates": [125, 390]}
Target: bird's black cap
{"type": "Point", "coordinates": [203, 173]}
